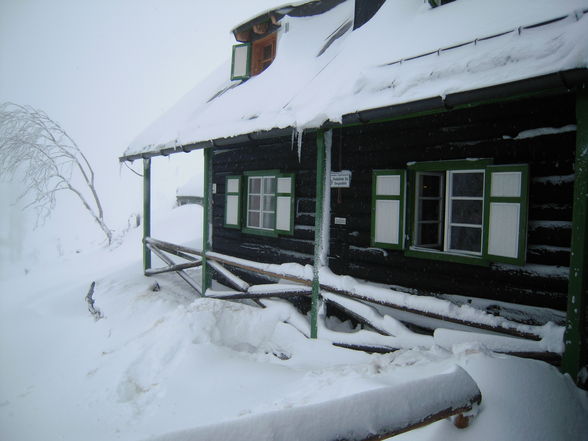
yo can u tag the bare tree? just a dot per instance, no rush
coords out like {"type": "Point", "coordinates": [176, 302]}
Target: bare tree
{"type": "Point", "coordinates": [37, 149]}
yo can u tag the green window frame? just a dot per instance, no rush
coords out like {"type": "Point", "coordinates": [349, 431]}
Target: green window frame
{"type": "Point", "coordinates": [266, 203]}
{"type": "Point", "coordinates": [241, 62]}
{"type": "Point", "coordinates": [465, 211]}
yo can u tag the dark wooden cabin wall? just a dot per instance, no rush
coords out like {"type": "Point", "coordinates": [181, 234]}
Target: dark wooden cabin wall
{"type": "Point", "coordinates": [280, 154]}
{"type": "Point", "coordinates": [487, 131]}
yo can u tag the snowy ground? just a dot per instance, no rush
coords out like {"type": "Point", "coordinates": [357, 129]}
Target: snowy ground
{"type": "Point", "coordinates": [163, 362]}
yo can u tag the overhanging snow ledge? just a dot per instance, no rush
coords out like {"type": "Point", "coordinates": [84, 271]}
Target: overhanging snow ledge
{"type": "Point", "coordinates": [218, 142]}
{"type": "Point", "coordinates": [563, 80]}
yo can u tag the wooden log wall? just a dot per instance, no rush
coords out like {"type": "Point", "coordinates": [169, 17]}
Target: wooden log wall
{"type": "Point", "coordinates": [278, 154]}
{"type": "Point", "coordinates": [488, 131]}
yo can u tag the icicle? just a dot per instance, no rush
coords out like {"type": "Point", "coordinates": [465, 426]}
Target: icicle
{"type": "Point", "coordinates": [299, 133]}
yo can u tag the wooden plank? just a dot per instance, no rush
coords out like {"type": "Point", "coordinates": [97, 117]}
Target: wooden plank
{"type": "Point", "coordinates": [370, 349]}
{"type": "Point", "coordinates": [260, 295]}
{"type": "Point", "coordinates": [334, 300]}
{"type": "Point", "coordinates": [180, 273]}
{"type": "Point", "coordinates": [171, 268]}
{"type": "Point", "coordinates": [235, 281]}
{"type": "Point", "coordinates": [548, 357]}
{"type": "Point", "coordinates": [447, 338]}
{"type": "Point", "coordinates": [438, 416]}
{"type": "Point", "coordinates": [185, 256]}
{"type": "Point", "coordinates": [228, 261]}
{"type": "Point", "coordinates": [170, 246]}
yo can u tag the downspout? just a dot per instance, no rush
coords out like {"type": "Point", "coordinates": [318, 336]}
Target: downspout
{"type": "Point", "coordinates": [206, 219]}
{"type": "Point", "coordinates": [322, 222]}
{"type": "Point", "coordinates": [146, 212]}
{"type": "Point", "coordinates": [576, 348]}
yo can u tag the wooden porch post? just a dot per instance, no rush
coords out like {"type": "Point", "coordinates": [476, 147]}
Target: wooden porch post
{"type": "Point", "coordinates": [320, 225]}
{"type": "Point", "coordinates": [576, 349]}
{"type": "Point", "coordinates": [146, 212]}
{"type": "Point", "coordinates": [206, 219]}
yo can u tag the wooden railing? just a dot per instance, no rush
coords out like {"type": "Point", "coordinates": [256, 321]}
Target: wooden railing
{"type": "Point", "coordinates": [477, 319]}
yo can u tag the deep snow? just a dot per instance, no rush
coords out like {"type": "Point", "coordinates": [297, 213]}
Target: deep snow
{"type": "Point", "coordinates": [164, 363]}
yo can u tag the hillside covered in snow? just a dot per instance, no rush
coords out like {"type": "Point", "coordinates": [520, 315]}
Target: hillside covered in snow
{"type": "Point", "coordinates": [164, 364]}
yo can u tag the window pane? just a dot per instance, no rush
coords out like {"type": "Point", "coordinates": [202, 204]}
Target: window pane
{"type": "Point", "coordinates": [429, 210]}
{"type": "Point", "coordinates": [269, 185]}
{"type": "Point", "coordinates": [429, 185]}
{"type": "Point", "coordinates": [254, 202]}
{"type": "Point", "coordinates": [253, 219]}
{"type": "Point", "coordinates": [268, 203]}
{"type": "Point", "coordinates": [240, 55]}
{"type": "Point", "coordinates": [466, 212]}
{"type": "Point", "coordinates": [428, 234]}
{"type": "Point", "coordinates": [388, 185]}
{"type": "Point", "coordinates": [268, 220]}
{"type": "Point", "coordinates": [467, 184]}
{"type": "Point", "coordinates": [255, 185]}
{"type": "Point", "coordinates": [466, 239]}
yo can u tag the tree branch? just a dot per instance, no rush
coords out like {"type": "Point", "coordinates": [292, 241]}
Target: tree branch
{"type": "Point", "coordinates": [34, 146]}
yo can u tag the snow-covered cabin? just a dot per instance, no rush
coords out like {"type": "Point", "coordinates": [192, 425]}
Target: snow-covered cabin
{"type": "Point", "coordinates": [440, 150]}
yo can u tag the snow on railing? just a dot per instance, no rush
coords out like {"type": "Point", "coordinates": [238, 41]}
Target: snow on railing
{"type": "Point", "coordinates": [422, 305]}
{"type": "Point", "coordinates": [349, 294]}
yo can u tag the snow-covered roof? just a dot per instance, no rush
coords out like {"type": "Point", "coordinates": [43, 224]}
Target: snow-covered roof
{"type": "Point", "coordinates": [314, 79]}
{"type": "Point", "coordinates": [272, 7]}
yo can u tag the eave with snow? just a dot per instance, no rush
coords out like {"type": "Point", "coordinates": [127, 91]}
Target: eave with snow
{"type": "Point", "coordinates": [440, 151]}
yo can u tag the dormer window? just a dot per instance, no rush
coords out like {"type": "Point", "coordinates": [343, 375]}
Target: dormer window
{"type": "Point", "coordinates": [263, 53]}
{"type": "Point", "coordinates": [258, 48]}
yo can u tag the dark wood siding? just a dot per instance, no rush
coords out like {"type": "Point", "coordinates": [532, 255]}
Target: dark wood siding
{"type": "Point", "coordinates": [488, 131]}
{"type": "Point", "coordinates": [279, 154]}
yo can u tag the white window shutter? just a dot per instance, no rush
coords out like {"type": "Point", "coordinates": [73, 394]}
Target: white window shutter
{"type": "Point", "coordinates": [285, 203]}
{"type": "Point", "coordinates": [388, 195]}
{"type": "Point", "coordinates": [233, 202]}
{"type": "Point", "coordinates": [241, 62]}
{"type": "Point", "coordinates": [506, 207]}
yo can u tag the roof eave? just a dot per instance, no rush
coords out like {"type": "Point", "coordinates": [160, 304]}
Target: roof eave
{"type": "Point", "coordinates": [558, 81]}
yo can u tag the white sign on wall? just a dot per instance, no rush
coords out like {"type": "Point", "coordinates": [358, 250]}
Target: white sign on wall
{"type": "Point", "coordinates": [341, 179]}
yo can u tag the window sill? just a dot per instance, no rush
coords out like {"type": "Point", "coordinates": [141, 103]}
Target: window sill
{"type": "Point", "coordinates": [447, 257]}
{"type": "Point", "coordinates": [260, 232]}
